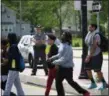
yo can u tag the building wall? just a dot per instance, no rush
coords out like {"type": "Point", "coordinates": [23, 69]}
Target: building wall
{"type": "Point", "coordinates": [8, 21]}
{"type": "Point", "coordinates": [25, 29]}
{"type": "Point", "coordinates": [10, 24]}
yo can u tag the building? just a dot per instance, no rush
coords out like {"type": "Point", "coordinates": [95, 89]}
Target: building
{"type": "Point", "coordinates": [10, 24]}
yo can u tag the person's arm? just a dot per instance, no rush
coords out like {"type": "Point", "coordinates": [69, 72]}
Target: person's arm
{"type": "Point", "coordinates": [65, 57]}
{"type": "Point", "coordinates": [43, 39]}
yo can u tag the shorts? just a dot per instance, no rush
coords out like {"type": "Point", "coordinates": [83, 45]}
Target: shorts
{"type": "Point", "coordinates": [95, 63]}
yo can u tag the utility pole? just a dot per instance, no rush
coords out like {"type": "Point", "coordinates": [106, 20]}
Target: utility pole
{"type": "Point", "coordinates": [20, 15]}
{"type": "Point", "coordinates": [108, 33]}
{"type": "Point", "coordinates": [83, 74]}
{"type": "Point", "coordinates": [20, 7]}
{"type": "Point", "coordinates": [60, 19]}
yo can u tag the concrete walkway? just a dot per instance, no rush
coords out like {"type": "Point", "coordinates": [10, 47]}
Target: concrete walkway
{"type": "Point", "coordinates": [40, 78]}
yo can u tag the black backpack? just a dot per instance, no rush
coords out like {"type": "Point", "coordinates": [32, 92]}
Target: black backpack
{"type": "Point", "coordinates": [104, 43]}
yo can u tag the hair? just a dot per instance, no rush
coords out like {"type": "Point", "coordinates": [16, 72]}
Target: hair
{"type": "Point", "coordinates": [4, 42]}
{"type": "Point", "coordinates": [12, 38]}
{"type": "Point", "coordinates": [52, 37]}
{"type": "Point", "coordinates": [66, 38]}
{"type": "Point", "coordinates": [94, 25]}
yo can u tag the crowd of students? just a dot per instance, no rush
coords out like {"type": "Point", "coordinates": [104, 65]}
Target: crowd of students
{"type": "Point", "coordinates": [59, 62]}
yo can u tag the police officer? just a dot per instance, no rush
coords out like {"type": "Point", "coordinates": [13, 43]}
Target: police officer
{"type": "Point", "coordinates": [39, 50]}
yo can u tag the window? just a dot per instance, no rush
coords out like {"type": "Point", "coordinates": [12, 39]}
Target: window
{"type": "Point", "coordinates": [2, 29]}
{"type": "Point", "coordinates": [8, 16]}
{"type": "Point", "coordinates": [26, 41]}
{"type": "Point", "coordinates": [10, 30]}
{"type": "Point", "coordinates": [22, 41]}
{"type": "Point", "coordinates": [6, 29]}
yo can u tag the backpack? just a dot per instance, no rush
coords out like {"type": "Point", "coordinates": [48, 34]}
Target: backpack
{"type": "Point", "coordinates": [104, 42]}
{"type": "Point", "coordinates": [21, 66]}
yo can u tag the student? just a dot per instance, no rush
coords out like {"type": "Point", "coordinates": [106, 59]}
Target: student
{"type": "Point", "coordinates": [13, 60]}
{"type": "Point", "coordinates": [4, 65]}
{"type": "Point", "coordinates": [52, 69]}
{"type": "Point", "coordinates": [65, 66]}
{"type": "Point", "coordinates": [94, 59]}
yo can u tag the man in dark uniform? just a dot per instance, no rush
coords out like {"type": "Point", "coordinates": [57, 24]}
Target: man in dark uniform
{"type": "Point", "coordinates": [39, 50]}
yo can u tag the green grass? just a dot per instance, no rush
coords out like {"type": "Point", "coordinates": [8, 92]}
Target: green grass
{"type": "Point", "coordinates": [77, 42]}
{"type": "Point", "coordinates": [105, 53]}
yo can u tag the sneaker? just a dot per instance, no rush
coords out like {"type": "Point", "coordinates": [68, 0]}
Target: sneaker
{"type": "Point", "coordinates": [93, 85]}
{"type": "Point", "coordinates": [86, 94]}
{"type": "Point", "coordinates": [104, 86]}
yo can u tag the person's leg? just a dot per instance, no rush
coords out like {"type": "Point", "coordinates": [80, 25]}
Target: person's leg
{"type": "Point", "coordinates": [43, 59]}
{"type": "Point", "coordinates": [59, 79]}
{"type": "Point", "coordinates": [36, 59]}
{"type": "Point", "coordinates": [3, 84]}
{"type": "Point", "coordinates": [69, 78]}
{"type": "Point", "coordinates": [101, 77]}
{"type": "Point", "coordinates": [49, 82]}
{"type": "Point", "coordinates": [88, 68]}
{"type": "Point", "coordinates": [93, 84]}
{"type": "Point", "coordinates": [18, 86]}
{"type": "Point", "coordinates": [97, 68]}
{"type": "Point", "coordinates": [9, 83]}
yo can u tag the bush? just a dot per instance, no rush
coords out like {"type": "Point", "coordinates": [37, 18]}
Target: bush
{"type": "Point", "coordinates": [77, 42]}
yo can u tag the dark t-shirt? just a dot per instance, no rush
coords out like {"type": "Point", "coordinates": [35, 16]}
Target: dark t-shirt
{"type": "Point", "coordinates": [53, 51]}
{"type": "Point", "coordinates": [4, 66]}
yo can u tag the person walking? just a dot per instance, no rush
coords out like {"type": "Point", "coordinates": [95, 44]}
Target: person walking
{"type": "Point", "coordinates": [14, 61]}
{"type": "Point", "coordinates": [94, 59]}
{"type": "Point", "coordinates": [52, 69]}
{"type": "Point", "coordinates": [64, 64]}
{"type": "Point", "coordinates": [4, 65]}
{"type": "Point", "coordinates": [39, 50]}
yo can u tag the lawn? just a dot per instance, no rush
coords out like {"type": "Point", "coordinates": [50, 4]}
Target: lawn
{"type": "Point", "coordinates": [77, 42]}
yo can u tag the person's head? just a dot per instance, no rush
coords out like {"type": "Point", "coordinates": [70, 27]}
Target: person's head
{"type": "Point", "coordinates": [66, 37]}
{"type": "Point", "coordinates": [51, 39]}
{"type": "Point", "coordinates": [92, 27]}
{"type": "Point", "coordinates": [4, 43]}
{"type": "Point", "coordinates": [12, 38]}
{"type": "Point", "coordinates": [38, 28]}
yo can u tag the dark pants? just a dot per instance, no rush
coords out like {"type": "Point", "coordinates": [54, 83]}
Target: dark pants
{"type": "Point", "coordinates": [39, 52]}
{"type": "Point", "coordinates": [3, 84]}
{"type": "Point", "coordinates": [66, 73]}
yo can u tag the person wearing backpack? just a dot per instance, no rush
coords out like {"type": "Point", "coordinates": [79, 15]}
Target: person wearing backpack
{"type": "Point", "coordinates": [94, 59]}
{"type": "Point", "coordinates": [14, 68]}
{"type": "Point", "coordinates": [4, 65]}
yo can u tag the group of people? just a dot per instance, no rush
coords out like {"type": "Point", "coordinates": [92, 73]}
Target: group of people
{"type": "Point", "coordinates": [10, 68]}
{"type": "Point", "coordinates": [58, 64]}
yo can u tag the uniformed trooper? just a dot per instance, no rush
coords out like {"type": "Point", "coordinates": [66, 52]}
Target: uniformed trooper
{"type": "Point", "coordinates": [39, 50]}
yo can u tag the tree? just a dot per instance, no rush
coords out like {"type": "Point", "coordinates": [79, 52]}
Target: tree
{"type": "Point", "coordinates": [47, 13]}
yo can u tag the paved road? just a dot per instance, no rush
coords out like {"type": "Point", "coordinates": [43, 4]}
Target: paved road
{"type": "Point", "coordinates": [77, 69]}
{"type": "Point", "coordinates": [31, 89]}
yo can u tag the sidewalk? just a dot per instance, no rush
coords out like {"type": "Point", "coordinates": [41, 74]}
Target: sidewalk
{"type": "Point", "coordinates": [40, 79]}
